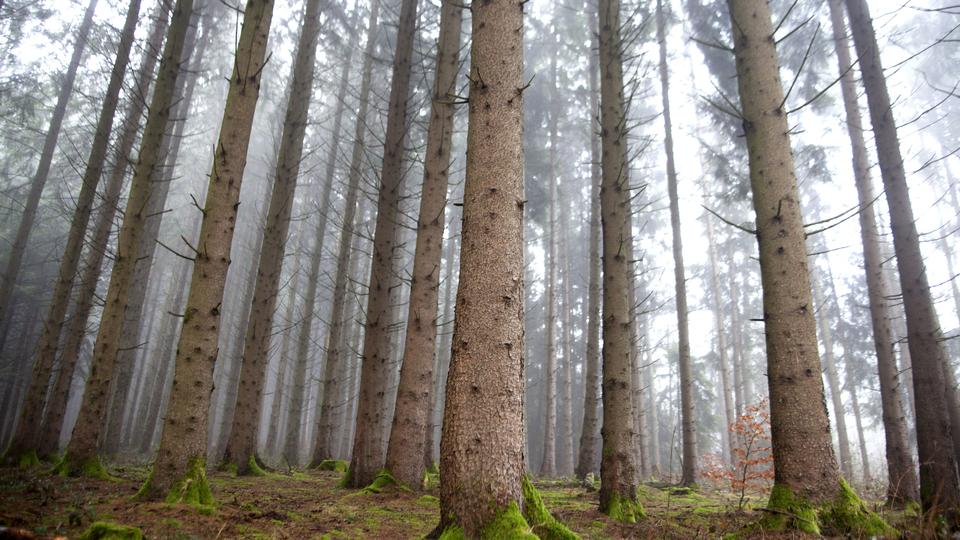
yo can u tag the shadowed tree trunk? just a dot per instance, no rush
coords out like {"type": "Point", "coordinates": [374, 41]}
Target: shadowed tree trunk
{"type": "Point", "coordinates": [833, 380]}
{"type": "Point", "coordinates": [413, 413]}
{"type": "Point", "coordinates": [19, 247]}
{"type": "Point", "coordinates": [902, 478]}
{"type": "Point", "coordinates": [618, 476]}
{"type": "Point", "coordinates": [178, 473]}
{"type": "Point", "coordinates": [241, 446]}
{"type": "Point", "coordinates": [939, 485]}
{"type": "Point", "coordinates": [369, 445]}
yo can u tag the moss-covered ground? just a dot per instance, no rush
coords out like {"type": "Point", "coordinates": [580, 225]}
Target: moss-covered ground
{"type": "Point", "coordinates": [311, 505]}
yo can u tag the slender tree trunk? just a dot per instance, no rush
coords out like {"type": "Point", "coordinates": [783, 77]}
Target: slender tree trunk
{"type": "Point", "coordinates": [274, 429]}
{"type": "Point", "coordinates": [727, 389]}
{"type": "Point", "coordinates": [565, 450]}
{"type": "Point", "coordinates": [618, 478]}
{"type": "Point", "coordinates": [902, 478]}
{"type": "Point", "coordinates": [743, 395]}
{"type": "Point", "coordinates": [482, 462]}
{"type": "Point", "coordinates": [183, 443]}
{"type": "Point", "coordinates": [30, 430]}
{"type": "Point", "coordinates": [19, 248]}
{"type": "Point", "coordinates": [412, 417]}
{"type": "Point", "coordinates": [653, 419]}
{"type": "Point", "coordinates": [588, 460]}
{"type": "Point", "coordinates": [939, 484]}
{"type": "Point", "coordinates": [833, 380]}
{"type": "Point", "coordinates": [369, 445]}
{"type": "Point", "coordinates": [325, 446]}
{"type": "Point", "coordinates": [241, 446]}
{"type": "Point", "coordinates": [638, 327]}
{"type": "Point", "coordinates": [855, 405]}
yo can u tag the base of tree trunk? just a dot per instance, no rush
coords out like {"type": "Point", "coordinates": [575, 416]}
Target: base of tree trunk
{"type": "Point", "coordinates": [102, 529]}
{"type": "Point", "coordinates": [623, 509]}
{"type": "Point", "coordinates": [87, 468]}
{"type": "Point", "coordinates": [335, 465]}
{"type": "Point", "coordinates": [254, 467]}
{"type": "Point", "coordinates": [383, 481]}
{"type": "Point", "coordinates": [193, 489]}
{"type": "Point", "coordinates": [846, 514]}
{"type": "Point", "coordinates": [24, 460]}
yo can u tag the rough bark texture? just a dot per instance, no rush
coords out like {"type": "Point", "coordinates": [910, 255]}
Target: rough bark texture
{"type": "Point", "coordinates": [19, 247]}
{"type": "Point", "coordinates": [482, 446]}
{"type": "Point", "coordinates": [833, 381]}
{"type": "Point", "coordinates": [370, 444]}
{"type": "Point", "coordinates": [183, 444]}
{"type": "Point", "coordinates": [325, 444]}
{"type": "Point", "coordinates": [939, 486]}
{"type": "Point", "coordinates": [86, 432]}
{"type": "Point", "coordinates": [618, 478]}
{"type": "Point", "coordinates": [902, 478]}
{"type": "Point", "coordinates": [803, 456]}
{"type": "Point", "coordinates": [412, 415]}
{"type": "Point", "coordinates": [241, 446]}
{"type": "Point", "coordinates": [690, 471]}
{"type": "Point", "coordinates": [32, 412]}
{"type": "Point", "coordinates": [588, 459]}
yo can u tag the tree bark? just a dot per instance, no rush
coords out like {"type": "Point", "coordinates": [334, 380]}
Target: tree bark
{"type": "Point", "coordinates": [728, 408]}
{"type": "Point", "coordinates": [939, 484]}
{"type": "Point", "coordinates": [482, 461]}
{"type": "Point", "coordinates": [242, 444]}
{"type": "Point", "coordinates": [565, 447]}
{"type": "Point", "coordinates": [369, 445]}
{"type": "Point", "coordinates": [412, 417]}
{"type": "Point", "coordinates": [183, 443]}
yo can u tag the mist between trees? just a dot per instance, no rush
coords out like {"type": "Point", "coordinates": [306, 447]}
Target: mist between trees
{"type": "Point", "coordinates": [664, 243]}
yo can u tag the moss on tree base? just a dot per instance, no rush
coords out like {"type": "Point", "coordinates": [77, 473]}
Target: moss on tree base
{"type": "Point", "coordinates": [28, 460]}
{"type": "Point", "coordinates": [101, 530]}
{"type": "Point", "coordinates": [254, 468]}
{"type": "Point", "coordinates": [382, 481]}
{"type": "Point", "coordinates": [193, 489]}
{"type": "Point", "coordinates": [623, 509]}
{"type": "Point", "coordinates": [335, 465]}
{"type": "Point", "coordinates": [509, 524]}
{"type": "Point", "coordinates": [543, 523]}
{"type": "Point", "coordinates": [87, 468]}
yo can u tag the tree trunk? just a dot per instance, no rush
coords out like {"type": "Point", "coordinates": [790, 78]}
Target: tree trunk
{"type": "Point", "coordinates": [241, 446]}
{"type": "Point", "coordinates": [741, 384]}
{"type": "Point", "coordinates": [183, 443]}
{"type": "Point", "coordinates": [618, 478]}
{"type": "Point", "coordinates": [565, 450]}
{"type": "Point", "coordinates": [858, 419]}
{"type": "Point", "coordinates": [412, 417]}
{"type": "Point", "coordinates": [30, 430]}
{"type": "Point", "coordinates": [638, 327]}
{"type": "Point", "coordinates": [274, 430]}
{"type": "Point", "coordinates": [939, 485]}
{"type": "Point", "coordinates": [19, 248]}
{"type": "Point", "coordinates": [482, 461]}
{"type": "Point", "coordinates": [833, 380]}
{"type": "Point", "coordinates": [729, 414]}
{"type": "Point", "coordinates": [369, 445]}
{"type": "Point", "coordinates": [325, 446]}
{"type": "Point", "coordinates": [588, 460]}
{"type": "Point", "coordinates": [902, 478]}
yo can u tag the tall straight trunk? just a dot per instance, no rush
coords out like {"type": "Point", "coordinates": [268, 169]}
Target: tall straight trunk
{"type": "Point", "coordinates": [939, 484]}
{"type": "Point", "coordinates": [83, 304]}
{"type": "Point", "coordinates": [183, 443]}
{"type": "Point", "coordinates": [726, 388]}
{"type": "Point", "coordinates": [275, 428]}
{"type": "Point", "coordinates": [833, 380]}
{"type": "Point", "coordinates": [299, 394]}
{"type": "Point", "coordinates": [902, 478]}
{"type": "Point", "coordinates": [618, 478]}
{"type": "Point", "coordinates": [19, 247]}
{"type": "Point", "coordinates": [324, 445]}
{"type": "Point", "coordinates": [241, 446]}
{"type": "Point", "coordinates": [370, 444]}
{"type": "Point", "coordinates": [690, 470]}
{"type": "Point", "coordinates": [565, 448]}
{"type": "Point", "coordinates": [412, 417]}
{"type": "Point", "coordinates": [741, 385]}
{"type": "Point", "coordinates": [653, 419]}
{"type": "Point", "coordinates": [82, 450]}
{"type": "Point", "coordinates": [482, 462]}
{"type": "Point", "coordinates": [806, 477]}
{"type": "Point", "coordinates": [638, 327]}
{"type": "Point", "coordinates": [30, 424]}
{"type": "Point", "coordinates": [858, 420]}
{"type": "Point", "coordinates": [588, 459]}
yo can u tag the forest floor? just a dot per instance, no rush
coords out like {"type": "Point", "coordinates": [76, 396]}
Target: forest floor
{"type": "Point", "coordinates": [311, 505]}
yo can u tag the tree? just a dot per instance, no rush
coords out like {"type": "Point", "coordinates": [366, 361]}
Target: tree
{"type": "Point", "coordinates": [179, 472]}
{"type": "Point", "coordinates": [618, 475]}
{"type": "Point", "coordinates": [412, 414]}
{"type": "Point", "coordinates": [808, 492]}
{"type": "Point", "coordinates": [368, 456]}
{"type": "Point", "coordinates": [939, 487]}
{"type": "Point", "coordinates": [241, 446]}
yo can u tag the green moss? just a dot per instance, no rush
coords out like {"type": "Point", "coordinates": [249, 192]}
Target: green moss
{"type": "Point", "coordinates": [509, 525]}
{"type": "Point", "coordinates": [850, 515]}
{"type": "Point", "coordinates": [539, 518]}
{"type": "Point", "coordinates": [345, 480]}
{"type": "Point", "coordinates": [101, 530]}
{"type": "Point", "coordinates": [428, 500]}
{"type": "Point", "coordinates": [28, 460]}
{"type": "Point", "coordinates": [624, 510]}
{"type": "Point", "coordinates": [382, 481]}
{"type": "Point", "coordinates": [785, 510]}
{"type": "Point", "coordinates": [433, 468]}
{"type": "Point", "coordinates": [193, 488]}
{"type": "Point", "coordinates": [336, 465]}
{"type": "Point", "coordinates": [89, 468]}
{"type": "Point", "coordinates": [846, 514]}
{"type": "Point", "coordinates": [254, 468]}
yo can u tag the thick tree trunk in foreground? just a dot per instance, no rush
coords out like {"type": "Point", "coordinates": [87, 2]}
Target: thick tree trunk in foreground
{"type": "Point", "coordinates": [618, 477]}
{"type": "Point", "coordinates": [19, 247]}
{"type": "Point", "coordinates": [325, 444]}
{"type": "Point", "coordinates": [412, 417]}
{"type": "Point", "coordinates": [82, 449]}
{"type": "Point", "coordinates": [902, 478]}
{"type": "Point", "coordinates": [241, 446]}
{"type": "Point", "coordinates": [30, 423]}
{"type": "Point", "coordinates": [370, 445]}
{"type": "Point", "coordinates": [482, 461]}
{"type": "Point", "coordinates": [939, 485]}
{"type": "Point", "coordinates": [690, 470]}
{"type": "Point", "coordinates": [178, 473]}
